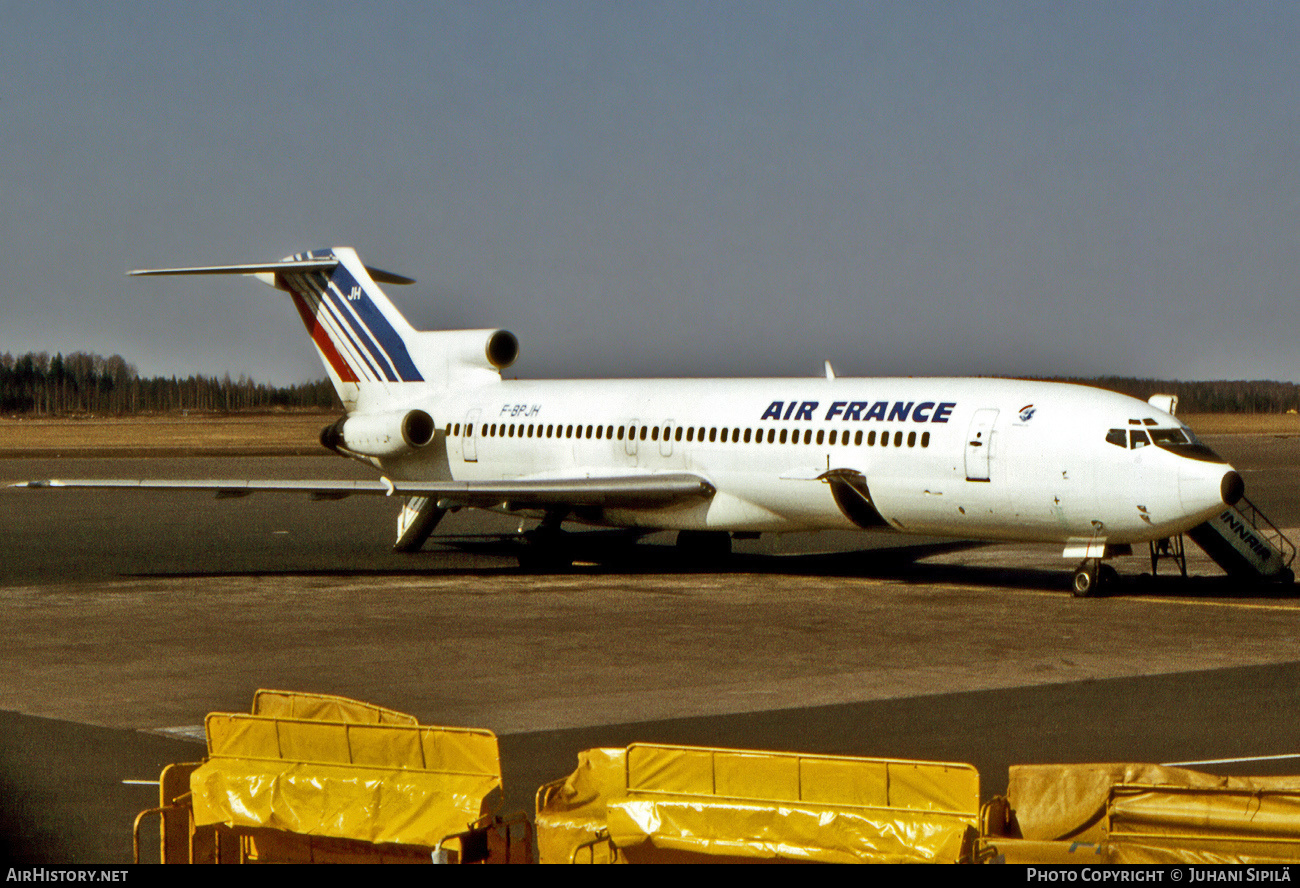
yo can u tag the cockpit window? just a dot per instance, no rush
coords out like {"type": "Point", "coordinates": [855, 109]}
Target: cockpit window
{"type": "Point", "coordinates": [1138, 439]}
{"type": "Point", "coordinates": [1169, 436]}
{"type": "Point", "coordinates": [1184, 443]}
{"type": "Point", "coordinates": [1118, 437]}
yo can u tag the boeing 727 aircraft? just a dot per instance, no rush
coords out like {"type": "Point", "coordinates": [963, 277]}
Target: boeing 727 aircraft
{"type": "Point", "coordinates": [990, 459]}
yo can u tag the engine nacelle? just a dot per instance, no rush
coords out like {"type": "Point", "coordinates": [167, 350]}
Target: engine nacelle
{"type": "Point", "coordinates": [380, 434]}
{"type": "Point", "coordinates": [490, 350]}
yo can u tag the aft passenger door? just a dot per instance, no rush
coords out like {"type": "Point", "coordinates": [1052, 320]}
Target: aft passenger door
{"type": "Point", "coordinates": [979, 444]}
{"type": "Point", "coordinates": [469, 440]}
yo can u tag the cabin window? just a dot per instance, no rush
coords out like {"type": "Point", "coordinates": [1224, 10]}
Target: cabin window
{"type": "Point", "coordinates": [654, 434]}
{"type": "Point", "coordinates": [898, 439]}
{"type": "Point", "coordinates": [690, 434]}
{"type": "Point", "coordinates": [820, 435]}
{"type": "Point", "coordinates": [620, 432]}
{"type": "Point", "coordinates": [771, 436]}
{"type": "Point", "coordinates": [1117, 437]}
{"type": "Point", "coordinates": [456, 430]}
{"type": "Point", "coordinates": [857, 440]}
{"type": "Point", "coordinates": [748, 434]}
{"type": "Point", "coordinates": [911, 439]}
{"type": "Point", "coordinates": [884, 439]}
{"type": "Point", "coordinates": [677, 435]}
{"type": "Point", "coordinates": [783, 437]}
{"type": "Point", "coordinates": [609, 431]}
{"type": "Point", "coordinates": [834, 435]}
{"type": "Point", "coordinates": [925, 439]}
{"type": "Point", "coordinates": [871, 439]}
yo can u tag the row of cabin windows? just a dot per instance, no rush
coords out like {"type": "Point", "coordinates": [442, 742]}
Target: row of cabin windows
{"type": "Point", "coordinates": [691, 434]}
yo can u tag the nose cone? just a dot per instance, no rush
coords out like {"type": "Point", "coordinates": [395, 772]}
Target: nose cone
{"type": "Point", "coordinates": [1232, 488]}
{"type": "Point", "coordinates": [1205, 488]}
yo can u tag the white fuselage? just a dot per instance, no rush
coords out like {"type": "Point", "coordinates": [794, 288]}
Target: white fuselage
{"type": "Point", "coordinates": [972, 458]}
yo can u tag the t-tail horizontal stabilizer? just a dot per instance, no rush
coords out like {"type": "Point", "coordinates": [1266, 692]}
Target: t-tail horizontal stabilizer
{"type": "Point", "coordinates": [287, 265]}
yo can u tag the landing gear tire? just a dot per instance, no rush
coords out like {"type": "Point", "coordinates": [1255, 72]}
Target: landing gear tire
{"type": "Point", "coordinates": [1108, 577]}
{"type": "Point", "coordinates": [1087, 578]}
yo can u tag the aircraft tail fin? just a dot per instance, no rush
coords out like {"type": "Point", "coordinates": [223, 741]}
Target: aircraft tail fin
{"type": "Point", "coordinates": [368, 348]}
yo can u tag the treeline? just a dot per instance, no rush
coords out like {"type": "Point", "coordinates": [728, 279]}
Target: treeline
{"type": "Point", "coordinates": [82, 383]}
{"type": "Point", "coordinates": [1224, 396]}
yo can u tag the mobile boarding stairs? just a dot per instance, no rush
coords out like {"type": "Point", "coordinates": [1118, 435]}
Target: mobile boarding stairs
{"type": "Point", "coordinates": [1241, 540]}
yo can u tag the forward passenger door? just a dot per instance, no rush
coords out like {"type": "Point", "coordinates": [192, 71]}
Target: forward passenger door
{"type": "Point", "coordinates": [979, 444]}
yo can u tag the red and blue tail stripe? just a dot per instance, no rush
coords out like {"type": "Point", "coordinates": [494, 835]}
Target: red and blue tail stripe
{"type": "Point", "coordinates": [354, 335]}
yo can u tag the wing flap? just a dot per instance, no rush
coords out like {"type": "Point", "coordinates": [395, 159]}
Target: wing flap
{"type": "Point", "coordinates": [625, 491]}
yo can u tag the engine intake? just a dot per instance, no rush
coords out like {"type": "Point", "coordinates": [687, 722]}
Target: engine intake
{"type": "Point", "coordinates": [380, 434]}
{"type": "Point", "coordinates": [502, 349]}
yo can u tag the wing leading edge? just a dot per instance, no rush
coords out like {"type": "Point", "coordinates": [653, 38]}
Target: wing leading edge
{"type": "Point", "coordinates": [622, 491]}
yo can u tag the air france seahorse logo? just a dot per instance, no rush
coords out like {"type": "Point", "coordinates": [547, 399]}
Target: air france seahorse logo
{"type": "Point", "coordinates": [1027, 412]}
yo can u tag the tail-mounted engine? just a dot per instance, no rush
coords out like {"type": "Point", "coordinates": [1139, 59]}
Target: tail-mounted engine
{"type": "Point", "coordinates": [468, 351]}
{"type": "Point", "coordinates": [379, 434]}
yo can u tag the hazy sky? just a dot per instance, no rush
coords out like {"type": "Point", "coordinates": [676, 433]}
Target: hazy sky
{"type": "Point", "coordinates": [667, 189]}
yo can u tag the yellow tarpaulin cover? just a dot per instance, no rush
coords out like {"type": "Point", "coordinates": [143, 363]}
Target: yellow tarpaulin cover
{"type": "Point", "coordinates": [749, 804]}
{"type": "Point", "coordinates": [364, 804]}
{"type": "Point", "coordinates": [1150, 813]}
{"type": "Point", "coordinates": [813, 833]}
{"type": "Point", "coordinates": [325, 707]}
{"type": "Point", "coordinates": [571, 813]}
{"type": "Point", "coordinates": [406, 784]}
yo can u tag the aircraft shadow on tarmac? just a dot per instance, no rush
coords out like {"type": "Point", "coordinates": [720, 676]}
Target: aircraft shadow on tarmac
{"type": "Point", "coordinates": [599, 553]}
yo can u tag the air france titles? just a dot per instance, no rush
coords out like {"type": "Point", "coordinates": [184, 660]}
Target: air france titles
{"type": "Point", "coordinates": [863, 411]}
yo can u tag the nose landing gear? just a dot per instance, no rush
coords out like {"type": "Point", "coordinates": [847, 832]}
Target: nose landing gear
{"type": "Point", "coordinates": [1091, 576]}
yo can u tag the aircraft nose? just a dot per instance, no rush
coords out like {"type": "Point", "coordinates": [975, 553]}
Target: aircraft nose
{"type": "Point", "coordinates": [1207, 487]}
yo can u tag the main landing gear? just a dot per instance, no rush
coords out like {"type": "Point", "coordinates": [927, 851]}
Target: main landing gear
{"type": "Point", "coordinates": [1091, 576]}
{"type": "Point", "coordinates": [704, 546]}
{"type": "Point", "coordinates": [546, 548]}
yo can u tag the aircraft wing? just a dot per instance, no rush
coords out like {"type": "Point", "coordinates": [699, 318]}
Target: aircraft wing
{"type": "Point", "coordinates": [617, 491]}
